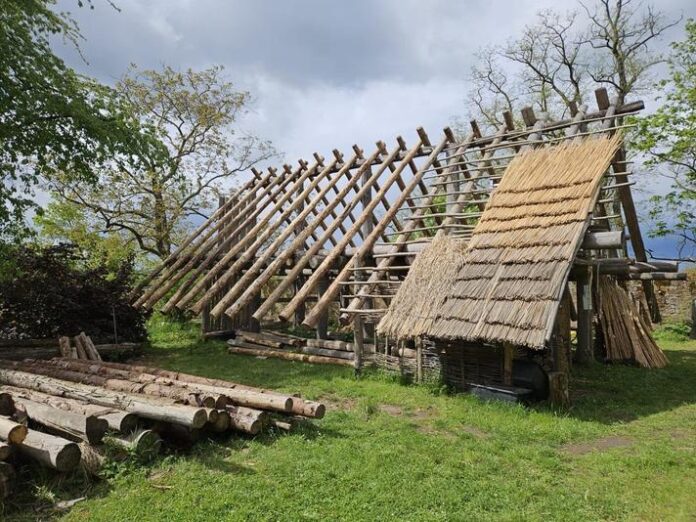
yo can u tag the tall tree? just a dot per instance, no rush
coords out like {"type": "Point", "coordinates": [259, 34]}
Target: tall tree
{"type": "Point", "coordinates": [51, 119]}
{"type": "Point", "coordinates": [152, 200]}
{"type": "Point", "coordinates": [556, 59]}
{"type": "Point", "coordinates": [669, 138]}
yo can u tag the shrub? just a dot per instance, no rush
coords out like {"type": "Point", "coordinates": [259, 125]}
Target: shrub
{"type": "Point", "coordinates": [53, 291]}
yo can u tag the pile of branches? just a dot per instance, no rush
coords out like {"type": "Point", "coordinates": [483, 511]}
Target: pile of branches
{"type": "Point", "coordinates": [61, 412]}
{"type": "Point", "coordinates": [46, 292]}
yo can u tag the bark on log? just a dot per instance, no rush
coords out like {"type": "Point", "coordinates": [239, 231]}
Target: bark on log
{"type": "Point", "coordinates": [237, 394]}
{"type": "Point", "coordinates": [70, 424]}
{"type": "Point", "coordinates": [81, 348]}
{"type": "Point", "coordinates": [145, 443]}
{"type": "Point", "coordinates": [247, 420]}
{"type": "Point", "coordinates": [67, 370]}
{"type": "Point", "coordinates": [298, 405]}
{"type": "Point", "coordinates": [19, 352]}
{"type": "Point", "coordinates": [11, 431]}
{"type": "Point", "coordinates": [289, 356]}
{"type": "Point", "coordinates": [51, 451]}
{"type": "Point", "coordinates": [143, 406]}
{"type": "Point", "coordinates": [260, 338]}
{"type": "Point", "coordinates": [117, 420]}
{"type": "Point", "coordinates": [64, 346]}
{"type": "Point", "coordinates": [325, 352]}
{"type": "Point", "coordinates": [331, 345]}
{"type": "Point", "coordinates": [92, 352]}
{"type": "Point", "coordinates": [222, 422]}
{"type": "Point", "coordinates": [6, 403]}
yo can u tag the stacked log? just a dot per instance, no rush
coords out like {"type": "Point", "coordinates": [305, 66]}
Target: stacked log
{"type": "Point", "coordinates": [283, 346]}
{"type": "Point", "coordinates": [60, 412]}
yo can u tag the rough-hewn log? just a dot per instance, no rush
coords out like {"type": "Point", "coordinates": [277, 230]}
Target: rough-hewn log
{"type": "Point", "coordinates": [298, 405]}
{"type": "Point", "coordinates": [144, 406]}
{"type": "Point", "coordinates": [71, 370]}
{"type": "Point", "coordinates": [221, 423]}
{"type": "Point", "coordinates": [92, 351]}
{"type": "Point", "coordinates": [614, 239]}
{"type": "Point", "coordinates": [222, 395]}
{"type": "Point", "coordinates": [330, 345]}
{"type": "Point", "coordinates": [117, 420]}
{"type": "Point", "coordinates": [71, 425]}
{"type": "Point", "coordinates": [260, 338]}
{"type": "Point", "coordinates": [238, 394]}
{"type": "Point", "coordinates": [340, 354]}
{"type": "Point", "coordinates": [6, 403]}
{"type": "Point", "coordinates": [51, 451]}
{"type": "Point", "coordinates": [247, 420]}
{"type": "Point", "coordinates": [289, 356]}
{"type": "Point", "coordinates": [11, 431]}
{"type": "Point", "coordinates": [18, 352]}
{"type": "Point", "coordinates": [143, 442]}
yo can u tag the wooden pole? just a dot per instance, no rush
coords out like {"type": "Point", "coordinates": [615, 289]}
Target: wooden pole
{"type": "Point", "coordinates": [51, 451]}
{"type": "Point", "coordinates": [146, 407]}
{"type": "Point", "coordinates": [584, 353]}
{"type": "Point", "coordinates": [508, 356]}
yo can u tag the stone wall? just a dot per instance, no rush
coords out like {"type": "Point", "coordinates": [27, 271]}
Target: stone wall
{"type": "Point", "coordinates": [673, 297]}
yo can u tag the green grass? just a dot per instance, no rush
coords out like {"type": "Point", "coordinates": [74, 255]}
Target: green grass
{"type": "Point", "coordinates": [385, 451]}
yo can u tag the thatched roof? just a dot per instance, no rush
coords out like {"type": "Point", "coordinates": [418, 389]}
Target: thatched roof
{"type": "Point", "coordinates": [507, 284]}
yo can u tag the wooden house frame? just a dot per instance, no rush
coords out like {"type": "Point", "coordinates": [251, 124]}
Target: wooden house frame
{"type": "Point", "coordinates": [341, 232]}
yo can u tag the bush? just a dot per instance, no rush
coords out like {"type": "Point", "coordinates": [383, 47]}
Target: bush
{"type": "Point", "coordinates": [52, 291]}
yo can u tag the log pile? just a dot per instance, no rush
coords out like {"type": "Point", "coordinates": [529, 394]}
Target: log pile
{"type": "Point", "coordinates": [82, 347]}
{"type": "Point", "coordinates": [627, 335]}
{"type": "Point", "coordinates": [283, 346]}
{"type": "Point", "coordinates": [60, 412]}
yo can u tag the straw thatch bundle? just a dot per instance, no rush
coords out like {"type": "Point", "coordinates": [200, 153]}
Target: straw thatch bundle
{"type": "Point", "coordinates": [626, 334]}
{"type": "Point", "coordinates": [420, 296]}
{"type": "Point", "coordinates": [517, 262]}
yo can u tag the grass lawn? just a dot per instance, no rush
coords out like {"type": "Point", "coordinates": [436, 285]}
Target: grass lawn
{"type": "Point", "coordinates": [386, 451]}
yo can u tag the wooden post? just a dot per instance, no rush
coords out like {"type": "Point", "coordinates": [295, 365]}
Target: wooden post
{"type": "Point", "coordinates": [358, 343]}
{"type": "Point", "coordinates": [365, 230]}
{"type": "Point", "coordinates": [584, 353]}
{"type": "Point", "coordinates": [419, 360]}
{"type": "Point", "coordinates": [508, 356]}
{"type": "Point", "coordinates": [323, 324]}
{"type": "Point", "coordinates": [559, 378]}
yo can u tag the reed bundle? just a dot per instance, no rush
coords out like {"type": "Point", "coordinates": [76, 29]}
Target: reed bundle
{"type": "Point", "coordinates": [626, 334]}
{"type": "Point", "coordinates": [420, 296]}
{"type": "Point", "coordinates": [511, 276]}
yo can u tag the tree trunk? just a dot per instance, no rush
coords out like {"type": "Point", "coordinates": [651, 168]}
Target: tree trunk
{"type": "Point", "coordinates": [67, 423]}
{"type": "Point", "coordinates": [68, 371]}
{"type": "Point", "coordinates": [146, 407]}
{"type": "Point", "coordinates": [117, 420]}
{"type": "Point", "coordinates": [51, 451]}
{"type": "Point", "coordinates": [11, 431]}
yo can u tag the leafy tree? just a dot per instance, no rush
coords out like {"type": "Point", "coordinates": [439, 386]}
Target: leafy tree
{"type": "Point", "coordinates": [152, 201]}
{"type": "Point", "coordinates": [669, 138]}
{"type": "Point", "coordinates": [557, 59]}
{"type": "Point", "coordinates": [65, 222]}
{"type": "Point", "coordinates": [52, 119]}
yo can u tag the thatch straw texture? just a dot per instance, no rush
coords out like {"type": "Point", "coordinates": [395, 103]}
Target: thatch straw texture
{"type": "Point", "coordinates": [415, 305]}
{"type": "Point", "coordinates": [626, 334]}
{"type": "Point", "coordinates": [516, 265]}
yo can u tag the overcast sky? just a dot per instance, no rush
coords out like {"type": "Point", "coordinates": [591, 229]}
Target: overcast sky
{"type": "Point", "coordinates": [324, 74]}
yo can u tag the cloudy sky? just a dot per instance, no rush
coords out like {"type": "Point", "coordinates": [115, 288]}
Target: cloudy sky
{"type": "Point", "coordinates": [324, 74]}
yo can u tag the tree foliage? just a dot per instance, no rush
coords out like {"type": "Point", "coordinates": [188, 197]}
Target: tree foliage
{"type": "Point", "coordinates": [51, 291]}
{"type": "Point", "coordinates": [52, 119]}
{"type": "Point", "coordinates": [556, 60]}
{"type": "Point", "coordinates": [149, 200]}
{"type": "Point", "coordinates": [669, 138]}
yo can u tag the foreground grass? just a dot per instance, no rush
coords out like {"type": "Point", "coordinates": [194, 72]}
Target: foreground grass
{"type": "Point", "coordinates": [385, 451]}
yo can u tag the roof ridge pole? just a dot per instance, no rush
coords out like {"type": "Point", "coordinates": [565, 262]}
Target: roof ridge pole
{"type": "Point", "coordinates": [174, 272]}
{"type": "Point", "coordinates": [369, 242]}
{"type": "Point", "coordinates": [240, 286]}
{"type": "Point", "coordinates": [337, 251]}
{"type": "Point", "coordinates": [257, 235]}
{"type": "Point", "coordinates": [212, 249]}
